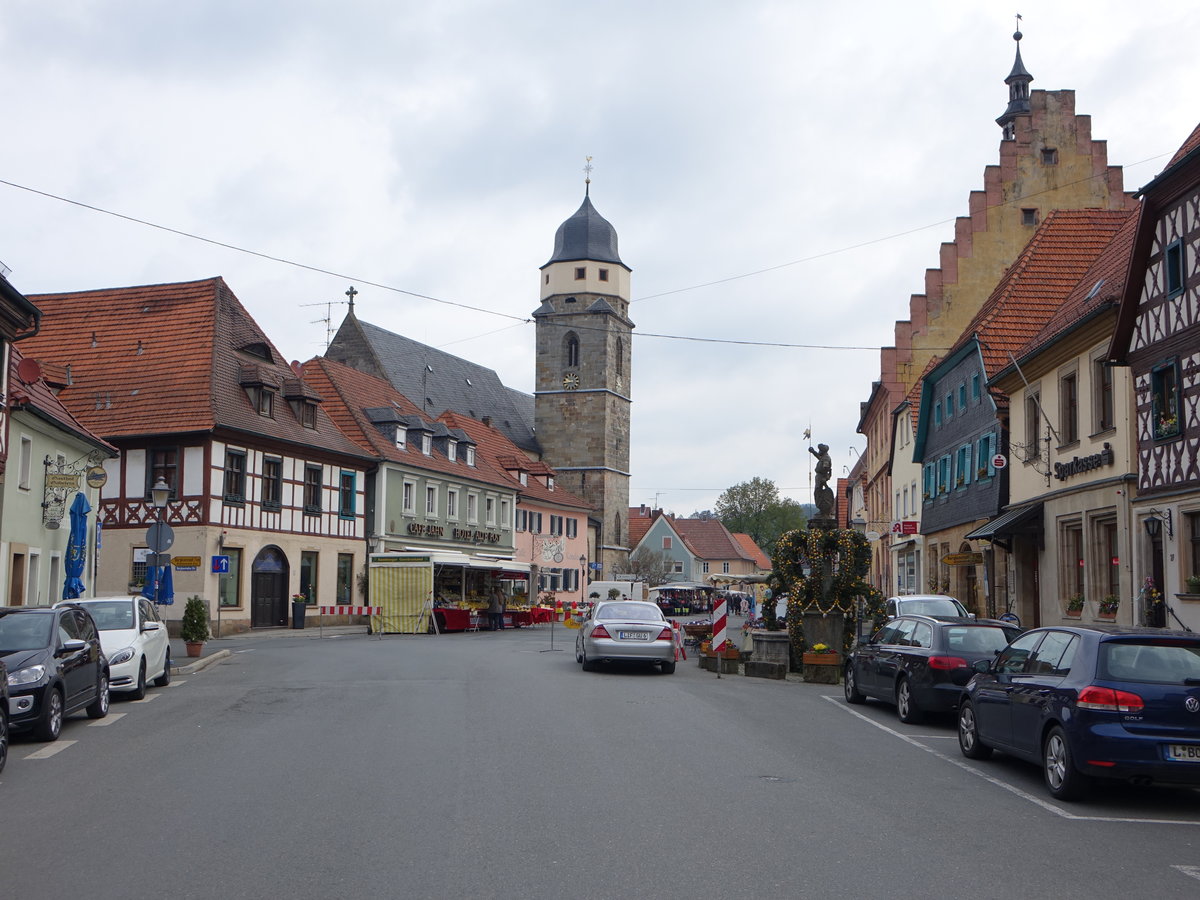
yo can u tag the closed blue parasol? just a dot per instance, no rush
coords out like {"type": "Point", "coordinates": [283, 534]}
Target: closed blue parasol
{"type": "Point", "coordinates": [159, 585]}
{"type": "Point", "coordinates": [73, 586]}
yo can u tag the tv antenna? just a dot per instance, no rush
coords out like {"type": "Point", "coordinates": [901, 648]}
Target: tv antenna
{"type": "Point", "coordinates": [327, 319]}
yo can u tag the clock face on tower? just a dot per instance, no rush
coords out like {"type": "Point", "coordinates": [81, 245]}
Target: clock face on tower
{"type": "Point", "coordinates": [571, 381]}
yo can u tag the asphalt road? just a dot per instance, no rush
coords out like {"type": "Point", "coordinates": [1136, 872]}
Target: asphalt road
{"type": "Point", "coordinates": [484, 765]}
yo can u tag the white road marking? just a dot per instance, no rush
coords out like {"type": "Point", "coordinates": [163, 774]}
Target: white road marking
{"type": "Point", "coordinates": [145, 699]}
{"type": "Point", "coordinates": [177, 683]}
{"type": "Point", "coordinates": [107, 720]}
{"type": "Point", "coordinates": [50, 749]}
{"type": "Point", "coordinates": [1190, 871]}
{"type": "Point", "coordinates": [1025, 795]}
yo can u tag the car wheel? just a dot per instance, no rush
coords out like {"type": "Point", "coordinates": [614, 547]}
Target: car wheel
{"type": "Point", "coordinates": [1062, 779]}
{"type": "Point", "coordinates": [853, 695]}
{"type": "Point", "coordinates": [578, 652]}
{"type": "Point", "coordinates": [968, 733]}
{"type": "Point", "coordinates": [668, 668]}
{"type": "Point", "coordinates": [98, 708]}
{"type": "Point", "coordinates": [165, 678]}
{"type": "Point", "coordinates": [49, 726]}
{"type": "Point", "coordinates": [3, 740]}
{"type": "Point", "coordinates": [139, 692]}
{"type": "Point", "coordinates": [906, 706]}
{"type": "Point", "coordinates": [588, 665]}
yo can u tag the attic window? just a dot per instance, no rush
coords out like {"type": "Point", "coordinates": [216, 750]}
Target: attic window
{"type": "Point", "coordinates": [259, 349]}
{"type": "Point", "coordinates": [266, 402]}
{"type": "Point", "coordinates": [308, 414]}
{"type": "Point", "coordinates": [470, 455]}
{"type": "Point", "coordinates": [523, 477]}
{"type": "Point", "coordinates": [1029, 217]}
{"type": "Point", "coordinates": [426, 443]}
{"type": "Point", "coordinates": [401, 437]}
{"type": "Point", "coordinates": [580, 273]}
{"type": "Point", "coordinates": [570, 300]}
{"type": "Point", "coordinates": [1049, 156]}
{"type": "Point", "coordinates": [452, 450]}
{"type": "Point", "coordinates": [550, 482]}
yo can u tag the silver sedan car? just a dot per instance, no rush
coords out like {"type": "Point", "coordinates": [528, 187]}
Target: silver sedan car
{"type": "Point", "coordinates": [626, 630]}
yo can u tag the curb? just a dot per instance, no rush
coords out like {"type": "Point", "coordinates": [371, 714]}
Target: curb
{"type": "Point", "coordinates": [201, 664]}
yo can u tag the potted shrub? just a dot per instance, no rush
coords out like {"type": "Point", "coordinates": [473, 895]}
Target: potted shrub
{"type": "Point", "coordinates": [1109, 605]}
{"type": "Point", "coordinates": [194, 630]}
{"type": "Point", "coordinates": [1075, 606]}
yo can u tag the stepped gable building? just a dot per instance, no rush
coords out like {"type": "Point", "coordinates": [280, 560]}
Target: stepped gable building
{"type": "Point", "coordinates": [183, 382]}
{"type": "Point", "coordinates": [1158, 336]}
{"type": "Point", "coordinates": [1048, 160]}
{"type": "Point", "coordinates": [959, 431]}
{"type": "Point", "coordinates": [434, 379]}
{"type": "Point", "coordinates": [582, 390]}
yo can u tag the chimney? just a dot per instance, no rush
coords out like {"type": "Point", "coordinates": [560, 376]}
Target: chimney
{"type": "Point", "coordinates": [487, 420]}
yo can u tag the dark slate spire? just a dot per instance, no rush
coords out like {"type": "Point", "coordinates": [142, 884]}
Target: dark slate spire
{"type": "Point", "coordinates": [1018, 93]}
{"type": "Point", "coordinates": [586, 235]}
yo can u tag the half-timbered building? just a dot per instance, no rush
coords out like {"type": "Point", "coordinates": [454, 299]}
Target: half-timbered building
{"type": "Point", "coordinates": [266, 495]}
{"type": "Point", "coordinates": [1158, 336]}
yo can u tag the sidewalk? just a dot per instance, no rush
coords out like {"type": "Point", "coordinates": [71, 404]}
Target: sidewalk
{"type": "Point", "coordinates": [216, 649]}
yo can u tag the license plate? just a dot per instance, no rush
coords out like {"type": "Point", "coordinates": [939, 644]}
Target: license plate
{"type": "Point", "coordinates": [633, 635]}
{"type": "Point", "coordinates": [1184, 752]}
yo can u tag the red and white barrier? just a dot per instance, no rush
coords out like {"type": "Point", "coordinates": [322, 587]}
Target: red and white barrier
{"type": "Point", "coordinates": [350, 610]}
{"type": "Point", "coordinates": [719, 615]}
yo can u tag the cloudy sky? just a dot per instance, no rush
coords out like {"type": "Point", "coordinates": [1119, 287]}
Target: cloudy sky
{"type": "Point", "coordinates": [779, 173]}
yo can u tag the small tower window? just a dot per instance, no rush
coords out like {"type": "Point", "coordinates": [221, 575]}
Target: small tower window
{"type": "Point", "coordinates": [1049, 156]}
{"type": "Point", "coordinates": [604, 274]}
{"type": "Point", "coordinates": [572, 351]}
{"type": "Point", "coordinates": [580, 273]}
{"type": "Point", "coordinates": [1029, 217]}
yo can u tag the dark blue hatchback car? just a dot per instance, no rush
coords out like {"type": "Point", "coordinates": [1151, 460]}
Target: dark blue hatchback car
{"type": "Point", "coordinates": [1087, 702]}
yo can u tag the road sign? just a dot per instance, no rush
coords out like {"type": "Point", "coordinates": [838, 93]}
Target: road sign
{"type": "Point", "coordinates": [158, 559]}
{"type": "Point", "coordinates": [187, 562]}
{"type": "Point", "coordinates": [999, 461]}
{"type": "Point", "coordinates": [220, 565]}
{"type": "Point", "coordinates": [160, 537]}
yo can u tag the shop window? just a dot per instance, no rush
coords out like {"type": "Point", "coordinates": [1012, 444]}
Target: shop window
{"type": "Point", "coordinates": [308, 575]}
{"type": "Point", "coordinates": [235, 476]}
{"type": "Point", "coordinates": [1108, 558]}
{"type": "Point", "coordinates": [229, 584]}
{"type": "Point", "coordinates": [1071, 559]}
{"type": "Point", "coordinates": [272, 483]}
{"type": "Point", "coordinates": [1173, 262]}
{"type": "Point", "coordinates": [345, 578]}
{"type": "Point", "coordinates": [1164, 400]}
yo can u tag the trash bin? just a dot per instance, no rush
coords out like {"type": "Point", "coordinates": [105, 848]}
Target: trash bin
{"type": "Point", "coordinates": [298, 613]}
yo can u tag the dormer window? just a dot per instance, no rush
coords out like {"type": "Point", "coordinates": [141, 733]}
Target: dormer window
{"type": "Point", "coordinates": [266, 402]}
{"type": "Point", "coordinates": [550, 482]}
{"type": "Point", "coordinates": [470, 455]}
{"type": "Point", "coordinates": [308, 415]}
{"type": "Point", "coordinates": [401, 437]}
{"type": "Point", "coordinates": [452, 450]}
{"type": "Point", "coordinates": [523, 477]}
{"type": "Point", "coordinates": [426, 443]}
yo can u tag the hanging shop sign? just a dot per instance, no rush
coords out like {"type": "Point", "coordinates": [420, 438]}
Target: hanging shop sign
{"type": "Point", "coordinates": [1080, 464]}
{"type": "Point", "coordinates": [962, 559]}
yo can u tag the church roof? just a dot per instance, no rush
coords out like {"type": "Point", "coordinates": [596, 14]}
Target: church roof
{"type": "Point", "coordinates": [586, 235]}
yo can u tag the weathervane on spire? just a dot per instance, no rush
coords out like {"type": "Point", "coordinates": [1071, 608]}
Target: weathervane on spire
{"type": "Point", "coordinates": [587, 173]}
{"type": "Point", "coordinates": [1017, 36]}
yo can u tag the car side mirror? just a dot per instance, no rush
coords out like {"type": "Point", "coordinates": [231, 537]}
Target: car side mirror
{"type": "Point", "coordinates": [73, 646]}
{"type": "Point", "coordinates": [151, 626]}
{"type": "Point", "coordinates": [982, 666]}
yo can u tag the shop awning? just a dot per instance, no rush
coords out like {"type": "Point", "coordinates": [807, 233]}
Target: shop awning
{"type": "Point", "coordinates": [1022, 519]}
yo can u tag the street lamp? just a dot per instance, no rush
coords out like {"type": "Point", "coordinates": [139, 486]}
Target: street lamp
{"type": "Point", "coordinates": [159, 495]}
{"type": "Point", "coordinates": [582, 576]}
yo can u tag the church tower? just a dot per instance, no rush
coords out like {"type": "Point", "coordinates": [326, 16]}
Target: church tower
{"type": "Point", "coordinates": [582, 383]}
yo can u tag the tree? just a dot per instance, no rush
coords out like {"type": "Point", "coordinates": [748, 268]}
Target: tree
{"type": "Point", "coordinates": [650, 566]}
{"type": "Point", "coordinates": [755, 508]}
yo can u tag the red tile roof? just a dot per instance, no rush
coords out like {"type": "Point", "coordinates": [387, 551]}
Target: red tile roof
{"type": "Point", "coordinates": [349, 393]}
{"type": "Point", "coordinates": [755, 552]}
{"type": "Point", "coordinates": [640, 520]}
{"type": "Point", "coordinates": [709, 539]}
{"type": "Point", "coordinates": [167, 359]}
{"type": "Point", "coordinates": [36, 394]}
{"type": "Point", "coordinates": [1192, 142]}
{"type": "Point", "coordinates": [1058, 255]}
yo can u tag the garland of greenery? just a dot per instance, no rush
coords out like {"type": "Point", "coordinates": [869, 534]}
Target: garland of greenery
{"type": "Point", "coordinates": [847, 556]}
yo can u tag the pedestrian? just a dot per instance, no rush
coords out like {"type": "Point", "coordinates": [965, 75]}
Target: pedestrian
{"type": "Point", "coordinates": [496, 610]}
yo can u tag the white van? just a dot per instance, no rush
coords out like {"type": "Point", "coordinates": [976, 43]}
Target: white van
{"type": "Point", "coordinates": [634, 590]}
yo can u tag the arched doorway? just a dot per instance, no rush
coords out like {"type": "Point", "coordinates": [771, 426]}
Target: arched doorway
{"type": "Point", "coordinates": [268, 588]}
{"type": "Point", "coordinates": [968, 584]}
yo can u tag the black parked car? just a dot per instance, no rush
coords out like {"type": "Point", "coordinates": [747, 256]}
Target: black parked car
{"type": "Point", "coordinates": [1090, 701]}
{"type": "Point", "coordinates": [3, 716]}
{"type": "Point", "coordinates": [922, 663]}
{"type": "Point", "coordinates": [55, 667]}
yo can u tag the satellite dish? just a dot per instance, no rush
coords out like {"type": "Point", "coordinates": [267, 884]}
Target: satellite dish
{"type": "Point", "coordinates": [29, 371]}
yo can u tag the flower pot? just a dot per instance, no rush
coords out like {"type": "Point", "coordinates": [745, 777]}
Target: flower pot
{"type": "Point", "coordinates": [822, 659]}
{"type": "Point", "coordinates": [194, 648]}
{"type": "Point", "coordinates": [1107, 616]}
{"type": "Point", "coordinates": [1074, 613]}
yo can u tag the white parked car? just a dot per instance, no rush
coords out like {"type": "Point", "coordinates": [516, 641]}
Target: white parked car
{"type": "Point", "coordinates": [134, 639]}
{"type": "Point", "coordinates": [926, 605]}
